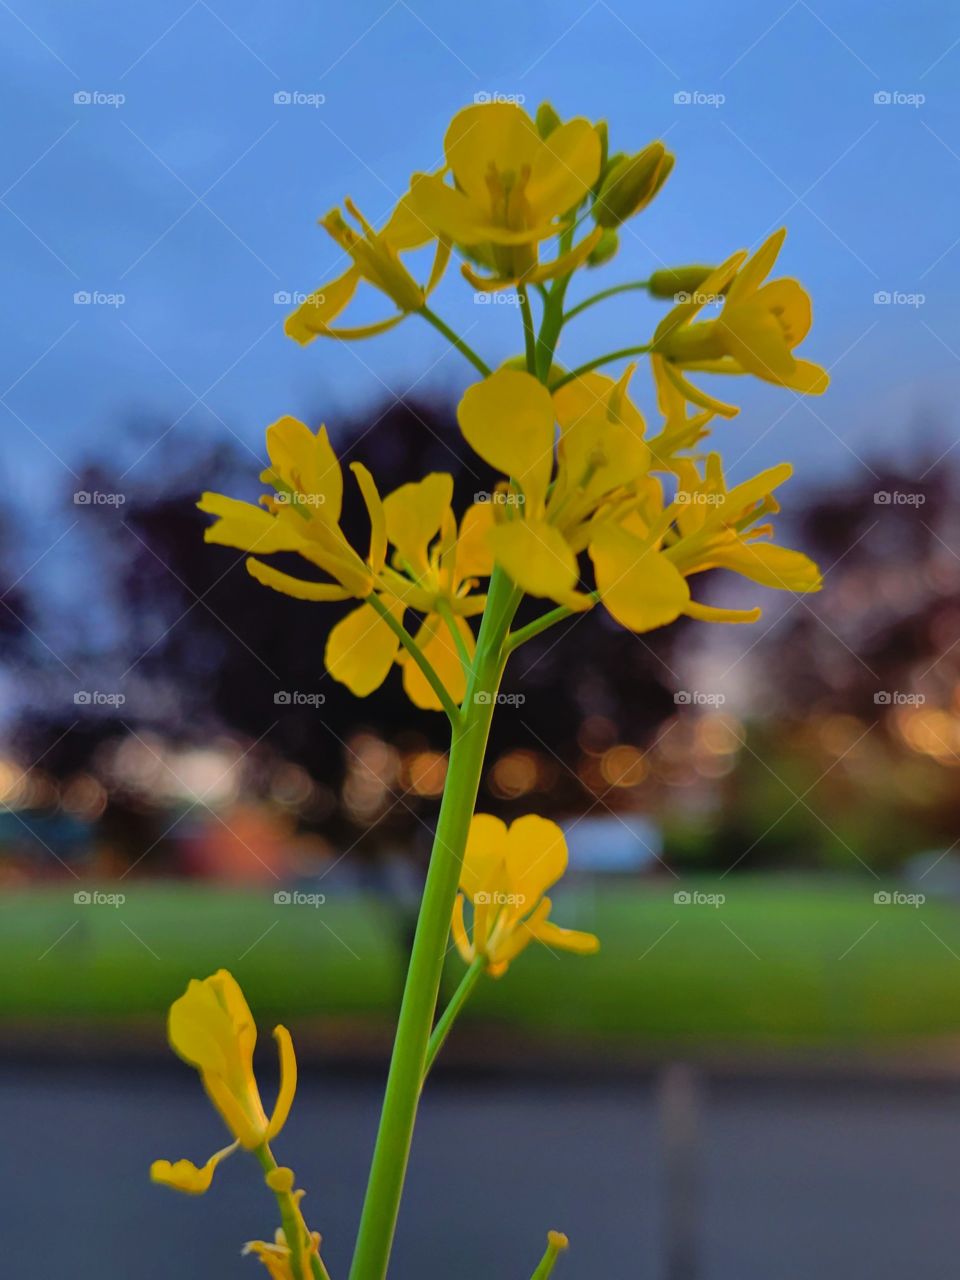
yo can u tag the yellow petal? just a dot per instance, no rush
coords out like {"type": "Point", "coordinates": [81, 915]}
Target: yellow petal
{"type": "Point", "coordinates": [474, 557]}
{"type": "Point", "coordinates": [184, 1176]}
{"type": "Point", "coordinates": [756, 270]}
{"type": "Point", "coordinates": [378, 518]}
{"type": "Point", "coordinates": [360, 651]}
{"type": "Point", "coordinates": [287, 585]}
{"type": "Point", "coordinates": [537, 557]}
{"type": "Point", "coordinates": [637, 585]}
{"type": "Point", "coordinates": [288, 1081]}
{"type": "Point", "coordinates": [307, 462]}
{"type": "Point", "coordinates": [552, 935]}
{"type": "Point", "coordinates": [508, 420]}
{"type": "Point", "coordinates": [809, 378]}
{"type": "Point", "coordinates": [745, 495]}
{"type": "Point", "coordinates": [482, 869]}
{"type": "Point", "coordinates": [313, 316]}
{"type": "Point", "coordinates": [459, 931]}
{"type": "Point", "coordinates": [769, 565]}
{"type": "Point", "coordinates": [566, 166]}
{"type": "Point", "coordinates": [696, 396]}
{"type": "Point", "coordinates": [441, 652]}
{"type": "Point", "coordinates": [246, 527]}
{"type": "Point", "coordinates": [414, 513]}
{"type": "Point", "coordinates": [498, 134]}
{"type": "Point", "coordinates": [453, 215]}
{"type": "Point", "coordinates": [709, 613]}
{"type": "Point", "coordinates": [755, 339]}
{"type": "Point", "coordinates": [536, 858]}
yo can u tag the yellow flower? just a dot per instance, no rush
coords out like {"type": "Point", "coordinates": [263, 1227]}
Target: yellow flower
{"type": "Point", "coordinates": [375, 258]}
{"type": "Point", "coordinates": [303, 516]}
{"type": "Point", "coordinates": [510, 421]}
{"type": "Point", "coordinates": [211, 1027]}
{"type": "Point", "coordinates": [757, 330]}
{"type": "Point", "coordinates": [276, 1256]}
{"type": "Point", "coordinates": [505, 874]}
{"type": "Point", "coordinates": [604, 501]}
{"type": "Point", "coordinates": [643, 556]}
{"type": "Point", "coordinates": [510, 190]}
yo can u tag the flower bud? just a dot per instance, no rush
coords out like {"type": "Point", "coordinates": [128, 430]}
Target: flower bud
{"type": "Point", "coordinates": [605, 248]}
{"type": "Point", "coordinates": [631, 183]}
{"type": "Point", "coordinates": [547, 120]}
{"type": "Point", "coordinates": [672, 281]}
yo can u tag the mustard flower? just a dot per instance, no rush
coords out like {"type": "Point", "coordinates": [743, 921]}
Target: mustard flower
{"type": "Point", "coordinates": [375, 257]}
{"type": "Point", "coordinates": [509, 189]}
{"type": "Point", "coordinates": [211, 1027]}
{"type": "Point", "coordinates": [505, 875]}
{"type": "Point", "coordinates": [757, 330]}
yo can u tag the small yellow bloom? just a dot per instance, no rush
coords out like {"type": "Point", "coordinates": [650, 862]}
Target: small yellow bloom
{"type": "Point", "coordinates": [276, 1256]}
{"type": "Point", "coordinates": [185, 1176]}
{"type": "Point", "coordinates": [509, 190]}
{"type": "Point", "coordinates": [375, 258]}
{"type": "Point", "coordinates": [505, 874]}
{"type": "Point", "coordinates": [757, 330]}
{"type": "Point", "coordinates": [211, 1027]}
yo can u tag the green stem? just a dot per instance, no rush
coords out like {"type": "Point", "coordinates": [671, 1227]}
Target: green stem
{"type": "Point", "coordinates": [397, 1118]}
{"type": "Point", "coordinates": [604, 294]}
{"type": "Point", "coordinates": [295, 1229]}
{"type": "Point", "coordinates": [446, 613]}
{"type": "Point", "coordinates": [455, 340]}
{"type": "Point", "coordinates": [529, 335]}
{"type": "Point", "coordinates": [595, 364]}
{"type": "Point", "coordinates": [450, 1013]}
{"type": "Point", "coordinates": [516, 638]}
{"type": "Point", "coordinates": [417, 654]}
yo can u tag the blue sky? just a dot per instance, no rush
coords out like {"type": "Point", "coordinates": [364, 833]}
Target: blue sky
{"type": "Point", "coordinates": [196, 199]}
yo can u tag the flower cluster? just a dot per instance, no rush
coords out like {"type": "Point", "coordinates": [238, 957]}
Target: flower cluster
{"type": "Point", "coordinates": [591, 509]}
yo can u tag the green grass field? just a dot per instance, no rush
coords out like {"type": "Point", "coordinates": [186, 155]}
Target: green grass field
{"type": "Point", "coordinates": [799, 960]}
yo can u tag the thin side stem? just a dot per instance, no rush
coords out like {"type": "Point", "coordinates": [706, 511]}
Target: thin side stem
{"type": "Point", "coordinates": [622, 354]}
{"type": "Point", "coordinates": [417, 654]}
{"type": "Point", "coordinates": [398, 1116]}
{"type": "Point", "coordinates": [529, 334]}
{"type": "Point", "coordinates": [295, 1229]}
{"type": "Point", "coordinates": [546, 620]}
{"type": "Point", "coordinates": [451, 1012]}
{"type": "Point", "coordinates": [603, 295]}
{"type": "Point", "coordinates": [455, 340]}
{"type": "Point", "coordinates": [463, 652]}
